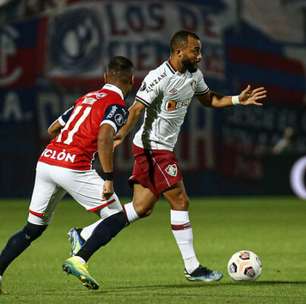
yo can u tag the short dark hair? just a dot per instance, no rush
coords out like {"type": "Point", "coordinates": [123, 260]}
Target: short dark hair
{"type": "Point", "coordinates": [180, 39]}
{"type": "Point", "coordinates": [120, 67]}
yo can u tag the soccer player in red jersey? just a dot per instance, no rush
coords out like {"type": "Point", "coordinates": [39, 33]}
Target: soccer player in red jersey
{"type": "Point", "coordinates": [165, 96]}
{"type": "Point", "coordinates": [65, 166]}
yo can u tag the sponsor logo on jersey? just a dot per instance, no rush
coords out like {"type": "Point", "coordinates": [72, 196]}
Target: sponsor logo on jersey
{"type": "Point", "coordinates": [172, 105]}
{"type": "Point", "coordinates": [61, 156]}
{"type": "Point", "coordinates": [89, 100]}
{"type": "Point", "coordinates": [112, 112]}
{"type": "Point", "coordinates": [119, 119]}
{"type": "Point", "coordinates": [143, 86]}
{"type": "Point", "coordinates": [150, 87]}
{"type": "Point", "coordinates": [172, 170]}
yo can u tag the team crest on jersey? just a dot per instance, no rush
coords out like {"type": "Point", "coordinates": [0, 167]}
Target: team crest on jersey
{"type": "Point", "coordinates": [172, 170]}
{"type": "Point", "coordinates": [193, 85]}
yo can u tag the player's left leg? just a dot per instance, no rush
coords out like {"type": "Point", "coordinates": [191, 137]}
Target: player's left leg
{"type": "Point", "coordinates": [18, 243]}
{"type": "Point", "coordinates": [44, 198]}
{"type": "Point", "coordinates": [182, 231]}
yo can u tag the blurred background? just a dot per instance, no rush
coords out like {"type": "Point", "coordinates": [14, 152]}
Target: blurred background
{"type": "Point", "coordinates": [53, 51]}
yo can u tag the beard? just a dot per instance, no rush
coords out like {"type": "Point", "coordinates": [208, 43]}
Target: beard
{"type": "Point", "coordinates": [189, 66]}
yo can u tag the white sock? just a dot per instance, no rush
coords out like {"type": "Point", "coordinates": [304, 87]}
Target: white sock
{"type": "Point", "coordinates": [88, 230]}
{"type": "Point", "coordinates": [130, 212]}
{"type": "Point", "coordinates": [182, 231]}
{"type": "Point", "coordinates": [80, 259]}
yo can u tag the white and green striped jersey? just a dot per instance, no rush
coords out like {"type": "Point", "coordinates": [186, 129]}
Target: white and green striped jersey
{"type": "Point", "coordinates": [166, 93]}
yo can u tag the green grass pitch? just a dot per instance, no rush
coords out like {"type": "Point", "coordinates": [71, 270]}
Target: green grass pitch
{"type": "Point", "coordinates": [143, 264]}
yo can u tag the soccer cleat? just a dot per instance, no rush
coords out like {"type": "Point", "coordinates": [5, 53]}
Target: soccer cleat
{"type": "Point", "coordinates": [203, 274]}
{"type": "Point", "coordinates": [80, 270]}
{"type": "Point", "coordinates": [76, 241]}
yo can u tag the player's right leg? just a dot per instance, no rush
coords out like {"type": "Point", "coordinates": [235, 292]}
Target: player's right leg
{"type": "Point", "coordinates": [182, 232]}
{"type": "Point", "coordinates": [86, 188]}
{"type": "Point", "coordinates": [141, 206]}
{"type": "Point", "coordinates": [101, 232]}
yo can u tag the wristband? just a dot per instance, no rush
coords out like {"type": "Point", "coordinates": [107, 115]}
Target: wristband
{"type": "Point", "coordinates": [235, 100]}
{"type": "Point", "coordinates": [108, 176]}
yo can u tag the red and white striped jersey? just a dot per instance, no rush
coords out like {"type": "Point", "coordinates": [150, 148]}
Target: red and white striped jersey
{"type": "Point", "coordinates": [76, 144]}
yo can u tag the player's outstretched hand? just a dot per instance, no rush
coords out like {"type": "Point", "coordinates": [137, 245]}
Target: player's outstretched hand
{"type": "Point", "coordinates": [252, 97]}
{"type": "Point", "coordinates": [108, 189]}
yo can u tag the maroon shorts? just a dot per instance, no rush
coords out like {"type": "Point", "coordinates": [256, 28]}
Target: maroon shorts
{"type": "Point", "coordinates": [157, 170]}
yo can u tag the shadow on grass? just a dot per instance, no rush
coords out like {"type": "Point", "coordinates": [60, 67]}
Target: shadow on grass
{"type": "Point", "coordinates": [203, 285]}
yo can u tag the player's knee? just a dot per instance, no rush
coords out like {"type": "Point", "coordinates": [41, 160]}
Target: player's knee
{"type": "Point", "coordinates": [147, 212]}
{"type": "Point", "coordinates": [33, 231]}
{"type": "Point", "coordinates": [181, 202]}
{"type": "Point", "coordinates": [143, 211]}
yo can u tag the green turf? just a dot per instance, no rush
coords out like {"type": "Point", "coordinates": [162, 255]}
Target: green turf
{"type": "Point", "coordinates": [143, 265]}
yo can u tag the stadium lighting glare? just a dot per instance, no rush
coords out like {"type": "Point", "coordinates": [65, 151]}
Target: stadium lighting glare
{"type": "Point", "coordinates": [3, 2]}
{"type": "Point", "coordinates": [297, 178]}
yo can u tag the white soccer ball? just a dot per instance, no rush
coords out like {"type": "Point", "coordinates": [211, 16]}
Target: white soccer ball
{"type": "Point", "coordinates": [244, 265]}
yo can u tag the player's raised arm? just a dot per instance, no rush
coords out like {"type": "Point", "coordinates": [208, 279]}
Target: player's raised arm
{"type": "Point", "coordinates": [248, 96]}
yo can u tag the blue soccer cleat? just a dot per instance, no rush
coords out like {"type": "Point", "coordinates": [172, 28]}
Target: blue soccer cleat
{"type": "Point", "coordinates": [203, 274]}
{"type": "Point", "coordinates": [76, 241]}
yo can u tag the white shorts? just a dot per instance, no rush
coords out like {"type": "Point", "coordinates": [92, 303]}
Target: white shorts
{"type": "Point", "coordinates": [53, 182]}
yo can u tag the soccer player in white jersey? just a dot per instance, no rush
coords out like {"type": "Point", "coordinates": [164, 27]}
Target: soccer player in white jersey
{"type": "Point", "coordinates": [165, 95]}
{"type": "Point", "coordinates": [66, 166]}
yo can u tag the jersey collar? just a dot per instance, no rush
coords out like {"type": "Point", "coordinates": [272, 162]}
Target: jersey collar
{"type": "Point", "coordinates": [168, 64]}
{"type": "Point", "coordinates": [113, 88]}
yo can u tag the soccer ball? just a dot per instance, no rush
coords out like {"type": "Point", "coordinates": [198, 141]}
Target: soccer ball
{"type": "Point", "coordinates": [244, 265]}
